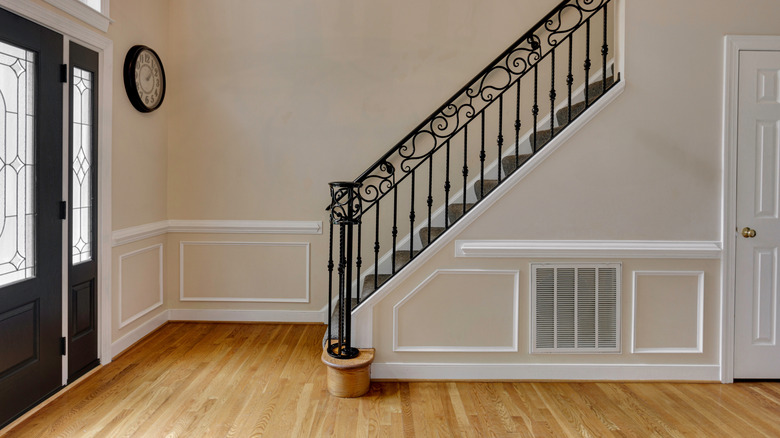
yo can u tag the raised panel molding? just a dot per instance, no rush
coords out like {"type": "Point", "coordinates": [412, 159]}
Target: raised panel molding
{"type": "Point", "coordinates": [145, 231]}
{"type": "Point", "coordinates": [159, 248]}
{"type": "Point", "coordinates": [512, 347]}
{"type": "Point", "coordinates": [305, 268]}
{"type": "Point", "coordinates": [589, 249]}
{"type": "Point", "coordinates": [698, 348]}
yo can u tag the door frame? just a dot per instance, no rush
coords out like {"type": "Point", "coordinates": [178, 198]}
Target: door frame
{"type": "Point", "coordinates": [733, 44]}
{"type": "Point", "coordinates": [81, 34]}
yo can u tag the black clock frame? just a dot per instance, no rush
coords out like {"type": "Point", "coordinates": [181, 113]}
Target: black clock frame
{"type": "Point", "coordinates": [129, 75]}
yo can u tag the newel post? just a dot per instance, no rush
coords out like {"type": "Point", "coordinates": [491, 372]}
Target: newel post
{"type": "Point", "coordinates": [348, 367]}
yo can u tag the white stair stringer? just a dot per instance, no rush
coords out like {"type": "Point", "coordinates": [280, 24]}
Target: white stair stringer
{"type": "Point", "coordinates": [362, 316]}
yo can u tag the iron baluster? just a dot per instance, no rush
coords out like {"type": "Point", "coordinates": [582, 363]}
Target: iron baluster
{"type": "Point", "coordinates": [517, 127]}
{"type": "Point", "coordinates": [535, 109]}
{"type": "Point", "coordinates": [395, 225]}
{"type": "Point", "coordinates": [447, 189]}
{"type": "Point", "coordinates": [342, 262]}
{"type": "Point", "coordinates": [358, 260]}
{"type": "Point", "coordinates": [500, 139]}
{"type": "Point", "coordinates": [604, 52]}
{"type": "Point", "coordinates": [465, 164]}
{"type": "Point", "coordinates": [587, 62]}
{"type": "Point", "coordinates": [411, 222]}
{"type": "Point", "coordinates": [330, 281]}
{"type": "Point", "coordinates": [430, 196]}
{"type": "Point", "coordinates": [570, 77]}
{"type": "Point", "coordinates": [376, 248]}
{"type": "Point", "coordinates": [552, 93]}
{"type": "Point", "coordinates": [482, 161]}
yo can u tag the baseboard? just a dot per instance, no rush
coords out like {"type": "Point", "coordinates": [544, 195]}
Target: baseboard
{"type": "Point", "coordinates": [138, 333]}
{"type": "Point", "coordinates": [223, 315]}
{"type": "Point", "coordinates": [543, 371]}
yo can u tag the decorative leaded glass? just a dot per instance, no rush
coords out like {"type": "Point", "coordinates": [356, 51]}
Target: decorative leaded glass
{"type": "Point", "coordinates": [81, 197]}
{"type": "Point", "coordinates": [17, 171]}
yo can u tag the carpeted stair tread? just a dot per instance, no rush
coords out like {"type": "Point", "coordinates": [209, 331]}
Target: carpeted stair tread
{"type": "Point", "coordinates": [455, 211]}
{"type": "Point", "coordinates": [595, 90]}
{"type": "Point", "coordinates": [509, 163]}
{"type": "Point", "coordinates": [482, 188]}
{"type": "Point", "coordinates": [368, 284]}
{"type": "Point", "coordinates": [435, 232]}
{"type": "Point", "coordinates": [403, 257]}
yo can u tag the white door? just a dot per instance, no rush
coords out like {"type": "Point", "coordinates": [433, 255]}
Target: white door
{"type": "Point", "coordinates": [756, 350]}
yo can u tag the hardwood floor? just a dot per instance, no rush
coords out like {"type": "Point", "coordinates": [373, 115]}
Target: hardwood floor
{"type": "Point", "coordinates": [242, 380]}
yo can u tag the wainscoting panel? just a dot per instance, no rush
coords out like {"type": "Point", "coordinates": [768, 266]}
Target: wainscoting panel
{"type": "Point", "coordinates": [140, 283]}
{"type": "Point", "coordinates": [460, 311]}
{"type": "Point", "coordinates": [270, 272]}
{"type": "Point", "coordinates": [668, 312]}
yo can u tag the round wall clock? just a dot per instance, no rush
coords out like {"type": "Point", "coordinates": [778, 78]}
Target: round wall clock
{"type": "Point", "coordinates": [144, 78]}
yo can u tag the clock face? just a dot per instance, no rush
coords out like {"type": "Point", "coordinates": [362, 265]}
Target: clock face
{"type": "Point", "coordinates": [148, 78]}
{"type": "Point", "coordinates": [144, 78]}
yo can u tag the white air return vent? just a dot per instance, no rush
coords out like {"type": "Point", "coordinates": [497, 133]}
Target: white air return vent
{"type": "Point", "coordinates": [575, 308]}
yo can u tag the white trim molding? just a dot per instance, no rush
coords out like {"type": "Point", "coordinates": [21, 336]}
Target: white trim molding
{"type": "Point", "coordinates": [77, 9]}
{"type": "Point", "coordinates": [544, 371]}
{"type": "Point", "coordinates": [159, 248]}
{"type": "Point", "coordinates": [141, 232]}
{"type": "Point", "coordinates": [306, 274]}
{"type": "Point", "coordinates": [245, 227]}
{"type": "Point", "coordinates": [145, 231]}
{"type": "Point", "coordinates": [482, 349]}
{"type": "Point", "coordinates": [644, 249]}
{"type": "Point", "coordinates": [139, 333]}
{"type": "Point", "coordinates": [732, 46]}
{"type": "Point", "coordinates": [224, 315]}
{"type": "Point", "coordinates": [699, 348]}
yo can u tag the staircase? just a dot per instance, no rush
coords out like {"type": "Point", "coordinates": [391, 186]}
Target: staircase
{"type": "Point", "coordinates": [457, 156]}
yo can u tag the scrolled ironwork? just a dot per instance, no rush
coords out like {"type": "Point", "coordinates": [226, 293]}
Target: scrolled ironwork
{"type": "Point", "coordinates": [473, 98]}
{"type": "Point", "coordinates": [346, 203]}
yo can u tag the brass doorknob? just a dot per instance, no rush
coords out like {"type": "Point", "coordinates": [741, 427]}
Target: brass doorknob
{"type": "Point", "coordinates": [748, 232]}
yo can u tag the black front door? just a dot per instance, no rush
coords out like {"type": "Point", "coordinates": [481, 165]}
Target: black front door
{"type": "Point", "coordinates": [30, 228]}
{"type": "Point", "coordinates": [82, 276]}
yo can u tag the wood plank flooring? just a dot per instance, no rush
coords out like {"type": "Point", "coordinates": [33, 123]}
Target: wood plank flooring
{"type": "Point", "coordinates": [247, 380]}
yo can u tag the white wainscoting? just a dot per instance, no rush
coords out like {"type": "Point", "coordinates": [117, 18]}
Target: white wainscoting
{"type": "Point", "coordinates": [665, 300]}
{"type": "Point", "coordinates": [128, 292]}
{"type": "Point", "coordinates": [242, 282]}
{"type": "Point", "coordinates": [467, 314]}
{"type": "Point", "coordinates": [644, 249]}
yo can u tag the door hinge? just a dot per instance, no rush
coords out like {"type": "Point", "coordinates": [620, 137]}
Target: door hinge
{"type": "Point", "coordinates": [64, 73]}
{"type": "Point", "coordinates": [63, 210]}
{"type": "Point", "coordinates": [63, 346]}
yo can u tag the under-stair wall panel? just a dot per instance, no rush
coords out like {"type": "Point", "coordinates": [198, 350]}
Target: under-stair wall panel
{"type": "Point", "coordinates": [674, 338]}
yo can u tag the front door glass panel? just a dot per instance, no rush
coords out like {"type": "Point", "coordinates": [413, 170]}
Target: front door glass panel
{"type": "Point", "coordinates": [17, 161]}
{"type": "Point", "coordinates": [81, 197]}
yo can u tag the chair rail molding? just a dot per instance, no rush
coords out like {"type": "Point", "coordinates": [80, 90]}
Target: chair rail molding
{"type": "Point", "coordinates": [145, 231]}
{"type": "Point", "coordinates": [589, 249]}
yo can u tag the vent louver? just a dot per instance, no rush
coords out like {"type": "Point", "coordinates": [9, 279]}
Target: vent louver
{"type": "Point", "coordinates": [575, 308]}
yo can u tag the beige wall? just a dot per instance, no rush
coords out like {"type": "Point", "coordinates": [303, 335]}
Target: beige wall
{"type": "Point", "coordinates": [269, 101]}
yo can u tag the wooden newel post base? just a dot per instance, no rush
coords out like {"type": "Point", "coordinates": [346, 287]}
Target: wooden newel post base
{"type": "Point", "coordinates": [349, 377]}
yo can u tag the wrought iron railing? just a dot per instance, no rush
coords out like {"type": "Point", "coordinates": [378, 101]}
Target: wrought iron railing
{"type": "Point", "coordinates": [487, 103]}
